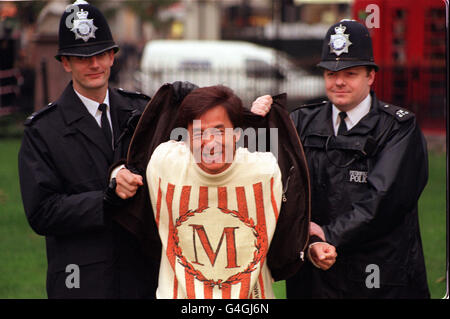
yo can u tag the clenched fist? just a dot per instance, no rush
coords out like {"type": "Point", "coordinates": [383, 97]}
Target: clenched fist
{"type": "Point", "coordinates": [127, 183]}
{"type": "Point", "coordinates": [323, 255]}
{"type": "Point", "coordinates": [261, 105]}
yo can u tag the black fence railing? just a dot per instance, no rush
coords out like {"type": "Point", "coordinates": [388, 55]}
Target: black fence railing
{"type": "Point", "coordinates": [247, 83]}
{"type": "Point", "coordinates": [9, 90]}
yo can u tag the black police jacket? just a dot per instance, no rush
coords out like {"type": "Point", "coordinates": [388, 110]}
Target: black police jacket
{"type": "Point", "coordinates": [365, 185]}
{"type": "Point", "coordinates": [63, 167]}
{"type": "Point", "coordinates": [287, 249]}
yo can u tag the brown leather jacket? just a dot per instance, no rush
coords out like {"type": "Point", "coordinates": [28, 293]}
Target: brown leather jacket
{"type": "Point", "coordinates": [289, 243]}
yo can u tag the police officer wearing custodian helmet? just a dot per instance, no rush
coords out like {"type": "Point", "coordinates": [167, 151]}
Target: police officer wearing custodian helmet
{"type": "Point", "coordinates": [67, 149]}
{"type": "Point", "coordinates": [368, 167]}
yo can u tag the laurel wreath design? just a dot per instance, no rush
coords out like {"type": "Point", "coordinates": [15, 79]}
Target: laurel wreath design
{"type": "Point", "coordinates": [258, 254]}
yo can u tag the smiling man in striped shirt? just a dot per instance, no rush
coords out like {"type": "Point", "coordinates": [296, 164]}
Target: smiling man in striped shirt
{"type": "Point", "coordinates": [216, 206]}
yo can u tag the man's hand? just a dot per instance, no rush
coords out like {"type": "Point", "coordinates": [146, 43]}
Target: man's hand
{"type": "Point", "coordinates": [261, 105]}
{"type": "Point", "coordinates": [127, 183]}
{"type": "Point", "coordinates": [315, 229]}
{"type": "Point", "coordinates": [323, 255]}
{"type": "Point", "coordinates": [183, 88]}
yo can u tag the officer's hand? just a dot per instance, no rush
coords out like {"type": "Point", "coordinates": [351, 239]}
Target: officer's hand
{"type": "Point", "coordinates": [261, 105]}
{"type": "Point", "coordinates": [323, 255]}
{"type": "Point", "coordinates": [127, 183]}
{"type": "Point", "coordinates": [315, 229]}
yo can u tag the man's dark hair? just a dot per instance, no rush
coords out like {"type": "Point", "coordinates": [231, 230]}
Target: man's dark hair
{"type": "Point", "coordinates": [200, 100]}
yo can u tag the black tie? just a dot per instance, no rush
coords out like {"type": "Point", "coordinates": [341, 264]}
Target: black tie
{"type": "Point", "coordinates": [106, 128]}
{"type": "Point", "coordinates": [342, 126]}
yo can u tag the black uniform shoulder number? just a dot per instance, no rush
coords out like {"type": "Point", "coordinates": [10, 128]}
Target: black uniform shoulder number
{"type": "Point", "coordinates": [399, 113]}
{"type": "Point", "coordinates": [36, 115]}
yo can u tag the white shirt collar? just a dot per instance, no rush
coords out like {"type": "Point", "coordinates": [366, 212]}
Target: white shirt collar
{"type": "Point", "coordinates": [353, 116]}
{"type": "Point", "coordinates": [92, 105]}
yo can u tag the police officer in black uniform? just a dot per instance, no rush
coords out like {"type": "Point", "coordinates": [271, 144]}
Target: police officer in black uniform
{"type": "Point", "coordinates": [66, 152]}
{"type": "Point", "coordinates": [368, 166]}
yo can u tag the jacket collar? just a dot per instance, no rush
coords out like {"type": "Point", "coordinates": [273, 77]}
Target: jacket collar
{"type": "Point", "coordinates": [368, 122]}
{"type": "Point", "coordinates": [79, 120]}
{"type": "Point", "coordinates": [363, 127]}
{"type": "Point", "coordinates": [71, 106]}
{"type": "Point", "coordinates": [120, 111]}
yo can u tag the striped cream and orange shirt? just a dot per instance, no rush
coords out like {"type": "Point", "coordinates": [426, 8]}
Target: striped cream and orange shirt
{"type": "Point", "coordinates": [215, 229]}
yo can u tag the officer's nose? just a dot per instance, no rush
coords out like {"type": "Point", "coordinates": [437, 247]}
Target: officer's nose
{"type": "Point", "coordinates": [93, 62]}
{"type": "Point", "coordinates": [340, 80]}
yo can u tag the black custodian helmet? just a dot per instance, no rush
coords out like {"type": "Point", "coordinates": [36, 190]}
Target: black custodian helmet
{"type": "Point", "coordinates": [347, 44]}
{"type": "Point", "coordinates": [84, 32]}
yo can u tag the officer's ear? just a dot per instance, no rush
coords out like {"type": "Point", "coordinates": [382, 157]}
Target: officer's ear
{"type": "Point", "coordinates": [371, 76]}
{"type": "Point", "coordinates": [66, 64]}
{"type": "Point", "coordinates": [111, 56]}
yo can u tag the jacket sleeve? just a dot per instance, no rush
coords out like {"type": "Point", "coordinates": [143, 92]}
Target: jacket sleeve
{"type": "Point", "coordinates": [50, 211]}
{"type": "Point", "coordinates": [395, 181]}
{"type": "Point", "coordinates": [290, 238]}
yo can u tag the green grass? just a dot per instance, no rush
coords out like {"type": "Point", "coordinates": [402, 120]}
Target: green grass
{"type": "Point", "coordinates": [432, 218]}
{"type": "Point", "coordinates": [23, 261]}
{"type": "Point", "coordinates": [22, 253]}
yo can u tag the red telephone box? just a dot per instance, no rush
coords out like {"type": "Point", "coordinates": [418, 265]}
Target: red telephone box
{"type": "Point", "coordinates": [409, 47]}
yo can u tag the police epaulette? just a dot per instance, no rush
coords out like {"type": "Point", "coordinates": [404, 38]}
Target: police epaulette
{"type": "Point", "coordinates": [314, 104]}
{"type": "Point", "coordinates": [309, 105]}
{"type": "Point", "coordinates": [398, 112]}
{"type": "Point", "coordinates": [33, 117]}
{"type": "Point", "coordinates": [134, 94]}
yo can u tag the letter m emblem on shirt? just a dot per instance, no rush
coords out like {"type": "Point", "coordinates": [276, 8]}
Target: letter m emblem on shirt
{"type": "Point", "coordinates": [230, 243]}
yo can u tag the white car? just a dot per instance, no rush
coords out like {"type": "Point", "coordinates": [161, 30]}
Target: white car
{"type": "Point", "coordinates": [250, 70]}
